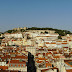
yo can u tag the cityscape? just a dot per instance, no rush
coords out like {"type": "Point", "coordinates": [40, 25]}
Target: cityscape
{"type": "Point", "coordinates": [44, 49]}
{"type": "Point", "coordinates": [35, 35]}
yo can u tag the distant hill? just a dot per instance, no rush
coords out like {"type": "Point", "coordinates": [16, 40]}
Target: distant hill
{"type": "Point", "coordinates": [59, 31]}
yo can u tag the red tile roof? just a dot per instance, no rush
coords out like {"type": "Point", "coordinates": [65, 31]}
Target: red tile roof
{"type": "Point", "coordinates": [17, 62]}
{"type": "Point", "coordinates": [3, 67]}
{"type": "Point", "coordinates": [48, 64]}
{"type": "Point", "coordinates": [41, 58]}
{"type": "Point", "coordinates": [69, 70]}
{"type": "Point", "coordinates": [21, 57]}
{"type": "Point", "coordinates": [39, 61]}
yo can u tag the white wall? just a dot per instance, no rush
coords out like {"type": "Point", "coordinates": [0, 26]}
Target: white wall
{"type": "Point", "coordinates": [2, 63]}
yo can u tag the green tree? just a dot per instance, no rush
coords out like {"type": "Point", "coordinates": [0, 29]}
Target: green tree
{"type": "Point", "coordinates": [59, 37]}
{"type": "Point", "coordinates": [31, 63]}
{"type": "Point", "coordinates": [9, 31]}
{"type": "Point", "coordinates": [46, 32]}
{"type": "Point", "coordinates": [41, 32]}
{"type": "Point", "coordinates": [22, 30]}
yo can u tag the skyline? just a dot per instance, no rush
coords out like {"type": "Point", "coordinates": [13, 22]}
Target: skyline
{"type": "Point", "coordinates": [35, 13]}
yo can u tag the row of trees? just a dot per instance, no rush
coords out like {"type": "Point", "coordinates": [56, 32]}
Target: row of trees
{"type": "Point", "coordinates": [13, 31]}
{"type": "Point", "coordinates": [36, 28]}
{"type": "Point", "coordinates": [31, 63]}
{"type": "Point", "coordinates": [60, 32]}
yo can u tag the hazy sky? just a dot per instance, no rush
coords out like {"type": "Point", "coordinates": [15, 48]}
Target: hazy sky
{"type": "Point", "coordinates": [36, 13]}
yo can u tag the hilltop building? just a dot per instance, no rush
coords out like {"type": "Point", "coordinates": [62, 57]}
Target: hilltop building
{"type": "Point", "coordinates": [20, 28]}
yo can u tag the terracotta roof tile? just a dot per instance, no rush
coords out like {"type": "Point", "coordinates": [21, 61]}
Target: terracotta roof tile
{"type": "Point", "coordinates": [3, 67]}
{"type": "Point", "coordinates": [17, 62]}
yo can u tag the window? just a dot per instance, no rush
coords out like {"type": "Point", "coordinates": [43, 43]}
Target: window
{"type": "Point", "coordinates": [17, 65]}
{"type": "Point", "coordinates": [21, 65]}
{"type": "Point", "coordinates": [13, 65]}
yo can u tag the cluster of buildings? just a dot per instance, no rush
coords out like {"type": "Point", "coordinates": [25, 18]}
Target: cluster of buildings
{"type": "Point", "coordinates": [19, 28]}
{"type": "Point", "coordinates": [13, 58]}
{"type": "Point", "coordinates": [50, 53]}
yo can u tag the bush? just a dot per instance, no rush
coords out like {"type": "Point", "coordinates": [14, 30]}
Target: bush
{"type": "Point", "coordinates": [46, 32]}
{"type": "Point", "coordinates": [22, 30]}
{"type": "Point", "coordinates": [59, 37]}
